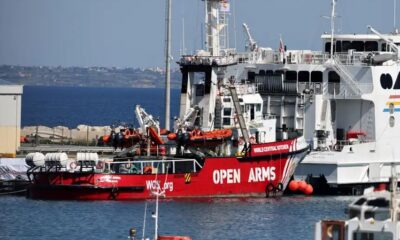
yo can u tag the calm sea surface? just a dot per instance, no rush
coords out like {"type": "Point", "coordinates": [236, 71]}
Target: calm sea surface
{"type": "Point", "coordinates": [281, 219]}
{"type": "Point", "coordinates": [71, 106]}
{"type": "Point", "coordinates": [20, 218]}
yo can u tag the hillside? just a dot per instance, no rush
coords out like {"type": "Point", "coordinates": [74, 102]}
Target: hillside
{"type": "Point", "coordinates": [88, 76]}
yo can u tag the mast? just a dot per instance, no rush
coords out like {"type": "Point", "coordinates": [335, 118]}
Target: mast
{"type": "Point", "coordinates": [332, 25]}
{"type": "Point", "coordinates": [394, 15]}
{"type": "Point", "coordinates": [167, 63]}
{"type": "Point", "coordinates": [216, 23]}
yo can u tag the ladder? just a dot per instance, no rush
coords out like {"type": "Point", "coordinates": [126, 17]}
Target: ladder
{"type": "Point", "coordinates": [242, 123]}
{"type": "Point", "coordinates": [345, 75]}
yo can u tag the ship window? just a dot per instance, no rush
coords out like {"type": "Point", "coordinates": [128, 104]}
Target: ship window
{"type": "Point", "coordinates": [278, 73]}
{"type": "Point", "coordinates": [363, 235]}
{"type": "Point", "coordinates": [227, 111]}
{"type": "Point", "coordinates": [391, 121]}
{"type": "Point", "coordinates": [391, 108]}
{"type": "Point", "coordinates": [240, 99]}
{"type": "Point", "coordinates": [258, 107]}
{"type": "Point", "coordinates": [338, 46]}
{"type": "Point", "coordinates": [291, 76]}
{"type": "Point", "coordinates": [207, 86]}
{"type": "Point", "coordinates": [327, 47]}
{"type": "Point", "coordinates": [358, 46]}
{"type": "Point", "coordinates": [383, 46]}
{"type": "Point", "coordinates": [346, 45]}
{"type": "Point", "coordinates": [354, 213]}
{"type": "Point", "coordinates": [226, 121]}
{"type": "Point", "coordinates": [227, 99]}
{"type": "Point", "coordinates": [379, 202]}
{"type": "Point", "coordinates": [184, 81]}
{"type": "Point", "coordinates": [199, 89]}
{"type": "Point", "coordinates": [269, 73]}
{"type": "Point", "coordinates": [304, 76]}
{"type": "Point", "coordinates": [371, 46]}
{"type": "Point", "coordinates": [360, 201]}
{"type": "Point", "coordinates": [251, 76]}
{"type": "Point", "coordinates": [262, 72]}
{"type": "Point", "coordinates": [316, 76]}
{"type": "Point", "coordinates": [377, 215]}
{"type": "Point", "coordinates": [333, 77]}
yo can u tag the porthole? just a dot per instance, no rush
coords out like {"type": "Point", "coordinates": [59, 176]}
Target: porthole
{"type": "Point", "coordinates": [391, 108]}
{"type": "Point", "coordinates": [391, 121]}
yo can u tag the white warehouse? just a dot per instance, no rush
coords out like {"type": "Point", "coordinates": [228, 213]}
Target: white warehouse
{"type": "Point", "coordinates": [10, 118]}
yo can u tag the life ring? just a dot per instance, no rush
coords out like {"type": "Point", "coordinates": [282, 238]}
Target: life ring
{"type": "Point", "coordinates": [336, 147]}
{"type": "Point", "coordinates": [99, 165]}
{"type": "Point", "coordinates": [73, 165]}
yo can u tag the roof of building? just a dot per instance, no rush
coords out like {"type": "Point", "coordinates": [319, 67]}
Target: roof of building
{"type": "Point", "coordinates": [10, 88]}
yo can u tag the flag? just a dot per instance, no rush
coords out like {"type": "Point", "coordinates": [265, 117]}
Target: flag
{"type": "Point", "coordinates": [281, 46]}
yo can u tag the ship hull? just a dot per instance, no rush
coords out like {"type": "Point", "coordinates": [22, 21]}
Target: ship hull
{"type": "Point", "coordinates": [260, 174]}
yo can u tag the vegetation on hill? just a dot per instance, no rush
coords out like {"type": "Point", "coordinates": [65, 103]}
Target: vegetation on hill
{"type": "Point", "coordinates": [88, 76]}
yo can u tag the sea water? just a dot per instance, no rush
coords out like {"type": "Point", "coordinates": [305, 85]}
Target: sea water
{"type": "Point", "coordinates": [71, 106]}
{"type": "Point", "coordinates": [289, 217]}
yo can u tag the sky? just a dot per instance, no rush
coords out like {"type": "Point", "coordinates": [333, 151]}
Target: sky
{"type": "Point", "coordinates": [131, 33]}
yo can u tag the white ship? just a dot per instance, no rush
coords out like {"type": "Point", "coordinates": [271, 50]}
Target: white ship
{"type": "Point", "coordinates": [375, 215]}
{"type": "Point", "coordinates": [344, 99]}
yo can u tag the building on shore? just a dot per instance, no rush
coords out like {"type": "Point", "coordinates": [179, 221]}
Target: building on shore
{"type": "Point", "coordinates": [10, 118]}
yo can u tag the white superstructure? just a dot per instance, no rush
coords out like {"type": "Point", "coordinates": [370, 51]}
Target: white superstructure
{"type": "Point", "coordinates": [344, 99]}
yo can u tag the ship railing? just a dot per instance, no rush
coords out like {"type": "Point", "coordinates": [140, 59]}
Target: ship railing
{"type": "Point", "coordinates": [208, 60]}
{"type": "Point", "coordinates": [301, 57]}
{"type": "Point", "coordinates": [152, 166]}
{"type": "Point", "coordinates": [326, 145]}
{"type": "Point", "coordinates": [242, 89]}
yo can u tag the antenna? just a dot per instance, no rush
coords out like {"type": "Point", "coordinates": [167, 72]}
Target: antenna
{"type": "Point", "coordinates": [183, 37]}
{"type": "Point", "coordinates": [332, 25]}
{"type": "Point", "coordinates": [394, 15]}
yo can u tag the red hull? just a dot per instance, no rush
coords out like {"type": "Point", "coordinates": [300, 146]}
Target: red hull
{"type": "Point", "coordinates": [257, 175]}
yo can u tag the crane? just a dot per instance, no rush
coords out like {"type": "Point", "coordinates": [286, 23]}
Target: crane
{"type": "Point", "coordinates": [387, 40]}
{"type": "Point", "coordinates": [252, 44]}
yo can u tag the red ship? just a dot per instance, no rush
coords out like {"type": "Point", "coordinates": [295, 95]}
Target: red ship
{"type": "Point", "coordinates": [264, 170]}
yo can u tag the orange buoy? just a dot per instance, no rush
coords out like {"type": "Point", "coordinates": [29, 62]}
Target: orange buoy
{"type": "Point", "coordinates": [293, 185]}
{"type": "Point", "coordinates": [302, 185]}
{"type": "Point", "coordinates": [308, 190]}
{"type": "Point", "coordinates": [171, 136]}
{"type": "Point", "coordinates": [106, 138]}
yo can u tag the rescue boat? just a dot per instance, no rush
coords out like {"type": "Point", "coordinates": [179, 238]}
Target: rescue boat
{"type": "Point", "coordinates": [227, 169]}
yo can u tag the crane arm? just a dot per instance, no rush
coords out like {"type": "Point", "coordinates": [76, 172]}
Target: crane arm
{"type": "Point", "coordinates": [252, 44]}
{"type": "Point", "coordinates": [387, 40]}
